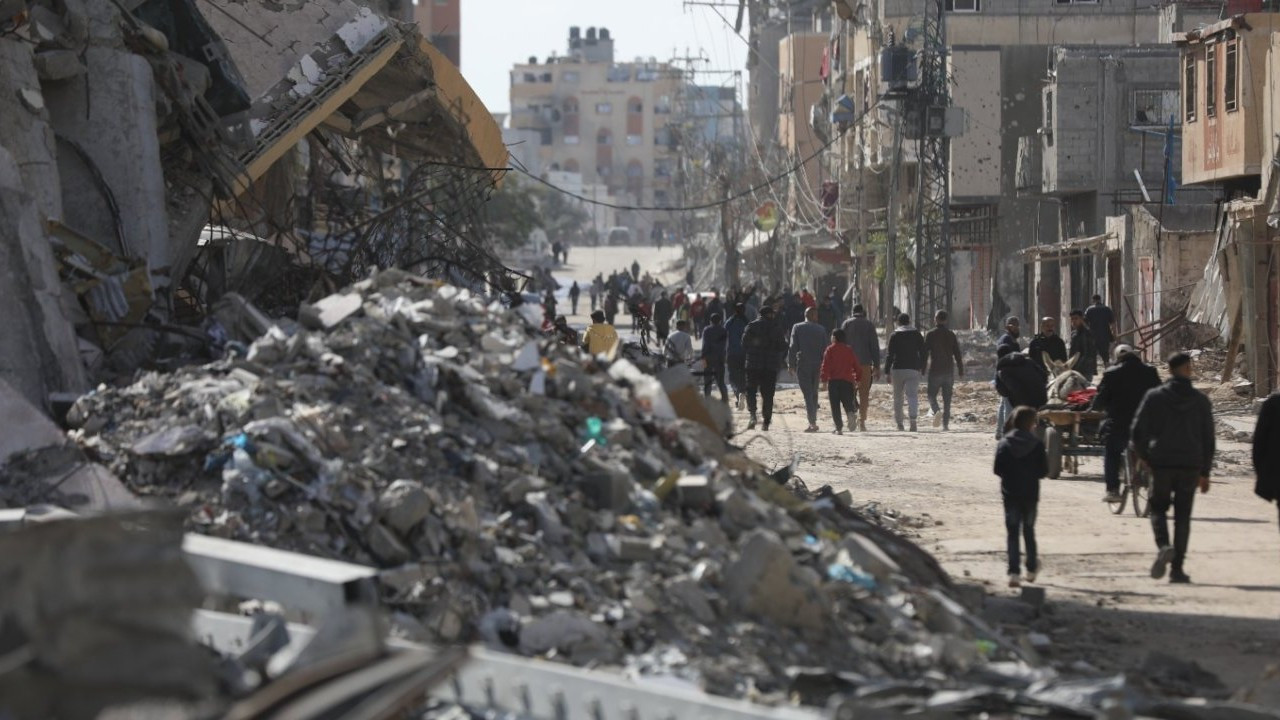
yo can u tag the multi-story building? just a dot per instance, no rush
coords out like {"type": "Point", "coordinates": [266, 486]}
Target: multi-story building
{"type": "Point", "coordinates": [606, 120]}
{"type": "Point", "coordinates": [802, 58]}
{"type": "Point", "coordinates": [999, 55]}
{"type": "Point", "coordinates": [440, 21]}
{"type": "Point", "coordinates": [1230, 116]}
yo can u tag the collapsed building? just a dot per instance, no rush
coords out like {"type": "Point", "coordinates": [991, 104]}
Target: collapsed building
{"type": "Point", "coordinates": [155, 156]}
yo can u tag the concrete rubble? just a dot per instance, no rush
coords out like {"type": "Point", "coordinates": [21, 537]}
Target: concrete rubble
{"type": "Point", "coordinates": [580, 520]}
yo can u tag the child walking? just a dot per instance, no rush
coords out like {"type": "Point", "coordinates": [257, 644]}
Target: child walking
{"type": "Point", "coordinates": [1021, 462]}
{"type": "Point", "coordinates": [840, 373]}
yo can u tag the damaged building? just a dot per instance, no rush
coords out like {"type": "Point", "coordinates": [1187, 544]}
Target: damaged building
{"type": "Point", "coordinates": [159, 157]}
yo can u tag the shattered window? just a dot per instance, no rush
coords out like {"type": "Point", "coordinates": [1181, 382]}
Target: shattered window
{"type": "Point", "coordinates": [1231, 83]}
{"type": "Point", "coordinates": [1189, 87]}
{"type": "Point", "coordinates": [1211, 82]}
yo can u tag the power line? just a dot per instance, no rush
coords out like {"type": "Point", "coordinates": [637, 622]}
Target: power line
{"type": "Point", "coordinates": [705, 206]}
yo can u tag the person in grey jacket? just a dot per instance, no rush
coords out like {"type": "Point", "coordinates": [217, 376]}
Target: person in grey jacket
{"type": "Point", "coordinates": [903, 361]}
{"type": "Point", "coordinates": [862, 335]}
{"type": "Point", "coordinates": [804, 358]}
{"type": "Point", "coordinates": [944, 358]}
{"type": "Point", "coordinates": [1173, 434]}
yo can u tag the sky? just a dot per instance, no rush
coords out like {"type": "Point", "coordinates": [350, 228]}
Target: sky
{"type": "Point", "coordinates": [497, 34]}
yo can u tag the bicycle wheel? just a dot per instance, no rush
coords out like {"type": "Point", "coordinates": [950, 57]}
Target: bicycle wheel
{"type": "Point", "coordinates": [1141, 493]}
{"type": "Point", "coordinates": [1127, 480]}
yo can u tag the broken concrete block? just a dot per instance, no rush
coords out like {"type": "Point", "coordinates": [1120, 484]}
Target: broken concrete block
{"type": "Point", "coordinates": [609, 491]}
{"type": "Point", "coordinates": [632, 549]}
{"type": "Point", "coordinates": [870, 557]}
{"type": "Point", "coordinates": [403, 505]}
{"type": "Point", "coordinates": [691, 597]}
{"type": "Point", "coordinates": [695, 491]}
{"type": "Point", "coordinates": [174, 441]}
{"type": "Point", "coordinates": [766, 581]}
{"type": "Point", "coordinates": [328, 312]}
{"type": "Point", "coordinates": [386, 546]}
{"type": "Point", "coordinates": [59, 64]}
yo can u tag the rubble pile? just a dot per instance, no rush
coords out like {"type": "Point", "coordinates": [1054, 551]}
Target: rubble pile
{"type": "Point", "coordinates": [514, 494]}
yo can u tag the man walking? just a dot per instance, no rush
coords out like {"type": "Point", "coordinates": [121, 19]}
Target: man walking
{"type": "Point", "coordinates": [840, 373]}
{"type": "Point", "coordinates": [763, 346]}
{"type": "Point", "coordinates": [1012, 340]}
{"type": "Point", "coordinates": [1021, 461]}
{"type": "Point", "coordinates": [1082, 346]}
{"type": "Point", "coordinates": [735, 358]}
{"type": "Point", "coordinates": [943, 359]}
{"type": "Point", "coordinates": [1102, 322]}
{"type": "Point", "coordinates": [1173, 433]}
{"type": "Point", "coordinates": [1012, 334]}
{"type": "Point", "coordinates": [1047, 342]}
{"type": "Point", "coordinates": [597, 288]}
{"type": "Point", "coordinates": [715, 341]}
{"type": "Point", "coordinates": [679, 347]}
{"type": "Point", "coordinates": [804, 358]}
{"type": "Point", "coordinates": [662, 310]}
{"type": "Point", "coordinates": [574, 293]}
{"type": "Point", "coordinates": [1121, 391]}
{"type": "Point", "coordinates": [1266, 450]}
{"type": "Point", "coordinates": [600, 337]}
{"type": "Point", "coordinates": [861, 334]}
{"type": "Point", "coordinates": [904, 359]}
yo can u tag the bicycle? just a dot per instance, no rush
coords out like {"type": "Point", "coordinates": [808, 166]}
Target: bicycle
{"type": "Point", "coordinates": [1135, 480]}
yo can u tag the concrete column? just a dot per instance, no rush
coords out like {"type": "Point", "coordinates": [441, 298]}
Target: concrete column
{"type": "Point", "coordinates": [110, 113]}
{"type": "Point", "coordinates": [38, 347]}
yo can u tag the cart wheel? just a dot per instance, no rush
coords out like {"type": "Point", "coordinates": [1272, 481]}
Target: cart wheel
{"type": "Point", "coordinates": [1053, 448]}
{"type": "Point", "coordinates": [1141, 484]}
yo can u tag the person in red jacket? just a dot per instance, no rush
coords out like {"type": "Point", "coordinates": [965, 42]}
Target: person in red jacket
{"type": "Point", "coordinates": [807, 298]}
{"type": "Point", "coordinates": [840, 374]}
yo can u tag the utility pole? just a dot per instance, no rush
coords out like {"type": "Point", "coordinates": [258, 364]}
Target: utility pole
{"type": "Point", "coordinates": [933, 205]}
{"type": "Point", "coordinates": [891, 223]}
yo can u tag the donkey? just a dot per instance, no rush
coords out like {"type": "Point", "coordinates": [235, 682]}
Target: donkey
{"type": "Point", "coordinates": [1063, 378]}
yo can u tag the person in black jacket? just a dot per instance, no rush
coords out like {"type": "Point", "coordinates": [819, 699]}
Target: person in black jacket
{"type": "Point", "coordinates": [1173, 433]}
{"type": "Point", "coordinates": [904, 359]}
{"type": "Point", "coordinates": [763, 345]}
{"type": "Point", "coordinates": [715, 342]}
{"type": "Point", "coordinates": [1021, 461]}
{"type": "Point", "coordinates": [1266, 450]}
{"type": "Point", "coordinates": [1047, 342]}
{"type": "Point", "coordinates": [1121, 391]}
{"type": "Point", "coordinates": [1019, 380]}
{"type": "Point", "coordinates": [1082, 346]}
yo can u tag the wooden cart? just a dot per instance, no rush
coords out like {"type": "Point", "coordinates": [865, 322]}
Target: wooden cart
{"type": "Point", "coordinates": [1070, 435]}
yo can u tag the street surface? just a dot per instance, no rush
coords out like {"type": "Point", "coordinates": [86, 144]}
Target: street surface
{"type": "Point", "coordinates": [1107, 611]}
{"type": "Point", "coordinates": [1104, 608]}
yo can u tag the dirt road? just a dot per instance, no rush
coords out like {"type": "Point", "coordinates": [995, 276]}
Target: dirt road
{"type": "Point", "coordinates": [1104, 608]}
{"type": "Point", "coordinates": [1104, 611]}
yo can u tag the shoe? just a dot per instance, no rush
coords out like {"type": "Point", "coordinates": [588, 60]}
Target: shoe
{"type": "Point", "coordinates": [862, 426]}
{"type": "Point", "coordinates": [937, 419]}
{"type": "Point", "coordinates": [839, 431]}
{"type": "Point", "coordinates": [1177, 577]}
{"type": "Point", "coordinates": [1031, 575]}
{"type": "Point", "coordinates": [1113, 497]}
{"type": "Point", "coordinates": [913, 426]}
{"type": "Point", "coordinates": [1015, 580]}
{"type": "Point", "coordinates": [811, 429]}
{"type": "Point", "coordinates": [738, 401]}
{"type": "Point", "coordinates": [765, 426]}
{"type": "Point", "coordinates": [751, 424]}
{"type": "Point", "coordinates": [946, 426]}
{"type": "Point", "coordinates": [900, 427]}
{"type": "Point", "coordinates": [1163, 556]}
